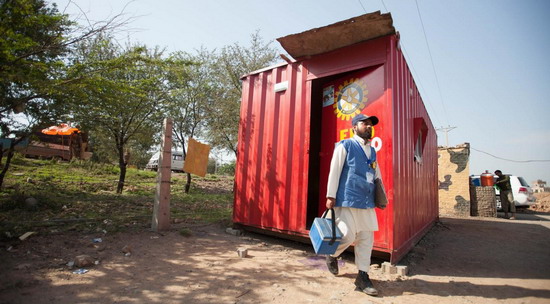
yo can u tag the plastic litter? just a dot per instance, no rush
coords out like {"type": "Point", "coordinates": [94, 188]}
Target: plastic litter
{"type": "Point", "coordinates": [26, 235]}
{"type": "Point", "coordinates": [97, 240]}
{"type": "Point", "coordinates": [80, 271]}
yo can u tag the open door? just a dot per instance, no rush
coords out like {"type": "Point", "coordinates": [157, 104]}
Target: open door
{"type": "Point", "coordinates": [336, 101]}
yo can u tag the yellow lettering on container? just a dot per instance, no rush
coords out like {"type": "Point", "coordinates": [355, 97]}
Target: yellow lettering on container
{"type": "Point", "coordinates": [346, 133]}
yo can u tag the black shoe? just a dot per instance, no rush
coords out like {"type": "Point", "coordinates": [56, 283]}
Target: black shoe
{"type": "Point", "coordinates": [364, 284]}
{"type": "Point", "coordinates": [332, 264]}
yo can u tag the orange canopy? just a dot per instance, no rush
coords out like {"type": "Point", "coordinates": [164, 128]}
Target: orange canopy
{"type": "Point", "coordinates": [62, 129]}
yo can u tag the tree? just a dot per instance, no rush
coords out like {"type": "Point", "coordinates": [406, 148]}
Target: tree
{"type": "Point", "coordinates": [190, 97]}
{"type": "Point", "coordinates": [139, 147]}
{"type": "Point", "coordinates": [31, 45]}
{"type": "Point", "coordinates": [228, 67]}
{"type": "Point", "coordinates": [124, 96]}
{"type": "Point", "coordinates": [34, 41]}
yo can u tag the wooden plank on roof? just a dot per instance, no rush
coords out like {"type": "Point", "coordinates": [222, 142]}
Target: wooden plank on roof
{"type": "Point", "coordinates": [341, 34]}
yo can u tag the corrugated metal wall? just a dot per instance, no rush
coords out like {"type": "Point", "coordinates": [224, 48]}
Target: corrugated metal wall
{"type": "Point", "coordinates": [271, 169]}
{"type": "Point", "coordinates": [415, 198]}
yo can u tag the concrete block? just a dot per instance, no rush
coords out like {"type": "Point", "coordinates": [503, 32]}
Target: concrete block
{"type": "Point", "coordinates": [232, 231]}
{"type": "Point", "coordinates": [388, 268]}
{"type": "Point", "coordinates": [402, 270]}
{"type": "Point", "coordinates": [242, 252]}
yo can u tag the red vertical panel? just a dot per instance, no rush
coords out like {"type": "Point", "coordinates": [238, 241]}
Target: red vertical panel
{"type": "Point", "coordinates": [246, 161]}
{"type": "Point", "coordinates": [402, 212]}
{"type": "Point", "coordinates": [276, 185]}
{"type": "Point", "coordinates": [283, 154]}
{"type": "Point", "coordinates": [415, 199]}
{"type": "Point", "coordinates": [267, 155]}
{"type": "Point", "coordinates": [257, 145]}
{"type": "Point", "coordinates": [296, 153]}
{"type": "Point", "coordinates": [383, 239]}
{"type": "Point", "coordinates": [240, 207]}
{"type": "Point", "coordinates": [303, 94]}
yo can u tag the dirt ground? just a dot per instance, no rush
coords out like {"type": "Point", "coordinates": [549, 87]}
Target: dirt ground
{"type": "Point", "coordinates": [474, 260]}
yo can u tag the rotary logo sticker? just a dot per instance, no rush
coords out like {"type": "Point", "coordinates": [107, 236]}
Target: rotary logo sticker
{"type": "Point", "coordinates": [350, 98]}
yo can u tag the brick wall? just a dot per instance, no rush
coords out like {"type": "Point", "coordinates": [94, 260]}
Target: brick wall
{"type": "Point", "coordinates": [454, 182]}
{"type": "Point", "coordinates": [483, 201]}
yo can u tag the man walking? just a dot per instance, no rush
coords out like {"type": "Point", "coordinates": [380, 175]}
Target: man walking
{"type": "Point", "coordinates": [506, 196]}
{"type": "Point", "coordinates": [351, 190]}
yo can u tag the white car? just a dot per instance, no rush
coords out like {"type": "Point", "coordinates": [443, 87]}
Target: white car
{"type": "Point", "coordinates": [176, 163]}
{"type": "Point", "coordinates": [522, 192]}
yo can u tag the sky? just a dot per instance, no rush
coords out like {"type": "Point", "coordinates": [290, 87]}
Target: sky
{"type": "Point", "coordinates": [482, 66]}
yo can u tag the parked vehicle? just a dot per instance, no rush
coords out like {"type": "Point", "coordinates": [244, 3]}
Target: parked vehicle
{"type": "Point", "coordinates": [176, 164]}
{"type": "Point", "coordinates": [521, 191]}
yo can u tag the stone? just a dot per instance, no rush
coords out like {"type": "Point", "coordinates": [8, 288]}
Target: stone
{"type": "Point", "coordinates": [127, 249]}
{"type": "Point", "coordinates": [31, 203]}
{"type": "Point", "coordinates": [83, 261]}
{"type": "Point", "coordinates": [23, 266]}
{"type": "Point", "coordinates": [100, 247]}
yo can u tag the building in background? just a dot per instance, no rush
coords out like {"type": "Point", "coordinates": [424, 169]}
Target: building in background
{"type": "Point", "coordinates": [540, 186]}
{"type": "Point", "coordinates": [454, 180]}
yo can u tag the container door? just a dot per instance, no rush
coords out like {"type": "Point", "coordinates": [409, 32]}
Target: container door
{"type": "Point", "coordinates": [343, 99]}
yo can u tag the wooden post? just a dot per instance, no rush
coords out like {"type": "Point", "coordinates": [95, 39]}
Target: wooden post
{"type": "Point", "coordinates": [161, 209]}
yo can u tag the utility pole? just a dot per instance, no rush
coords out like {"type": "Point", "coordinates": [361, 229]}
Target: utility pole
{"type": "Point", "coordinates": [446, 130]}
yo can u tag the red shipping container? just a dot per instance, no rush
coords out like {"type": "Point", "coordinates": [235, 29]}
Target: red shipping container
{"type": "Point", "coordinates": [293, 114]}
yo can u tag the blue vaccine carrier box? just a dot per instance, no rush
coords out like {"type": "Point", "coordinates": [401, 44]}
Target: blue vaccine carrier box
{"type": "Point", "coordinates": [321, 236]}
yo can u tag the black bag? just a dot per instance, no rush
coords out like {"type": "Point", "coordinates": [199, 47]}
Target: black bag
{"type": "Point", "coordinates": [380, 198]}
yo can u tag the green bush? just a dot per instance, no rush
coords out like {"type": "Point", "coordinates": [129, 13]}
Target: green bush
{"type": "Point", "coordinates": [227, 169]}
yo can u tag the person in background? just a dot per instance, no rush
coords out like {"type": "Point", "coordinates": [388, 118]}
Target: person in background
{"type": "Point", "coordinates": [353, 180]}
{"type": "Point", "coordinates": [506, 197]}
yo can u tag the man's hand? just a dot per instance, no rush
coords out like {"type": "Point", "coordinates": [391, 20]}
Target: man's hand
{"type": "Point", "coordinates": [330, 202]}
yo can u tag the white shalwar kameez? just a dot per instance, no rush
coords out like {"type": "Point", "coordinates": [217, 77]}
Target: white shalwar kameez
{"type": "Point", "coordinates": [357, 225]}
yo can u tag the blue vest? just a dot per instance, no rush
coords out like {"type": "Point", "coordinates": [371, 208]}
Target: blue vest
{"type": "Point", "coordinates": [356, 185]}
